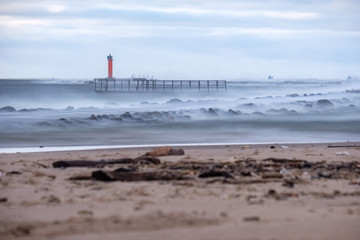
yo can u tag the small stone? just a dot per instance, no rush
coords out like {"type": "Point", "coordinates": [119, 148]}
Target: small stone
{"type": "Point", "coordinates": [85, 212]}
{"type": "Point", "coordinates": [223, 214]}
{"type": "Point", "coordinates": [22, 230]}
{"type": "Point", "coordinates": [271, 192]}
{"type": "Point", "coordinates": [288, 183]}
{"type": "Point", "coordinates": [53, 199]}
{"type": "Point", "coordinates": [252, 219]}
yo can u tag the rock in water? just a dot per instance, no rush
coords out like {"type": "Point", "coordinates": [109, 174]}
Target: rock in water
{"type": "Point", "coordinates": [7, 109]}
{"type": "Point", "coordinates": [126, 115]}
{"type": "Point", "coordinates": [324, 103]}
{"type": "Point", "coordinates": [174, 100]}
{"type": "Point", "coordinates": [213, 112]}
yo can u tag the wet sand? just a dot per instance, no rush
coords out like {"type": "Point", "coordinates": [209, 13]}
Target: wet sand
{"type": "Point", "coordinates": [269, 191]}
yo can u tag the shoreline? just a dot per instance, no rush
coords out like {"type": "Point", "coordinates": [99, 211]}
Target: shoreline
{"type": "Point", "coordinates": [39, 149]}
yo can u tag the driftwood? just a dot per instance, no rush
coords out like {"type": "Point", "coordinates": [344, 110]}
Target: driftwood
{"type": "Point", "coordinates": [212, 173]}
{"type": "Point", "coordinates": [137, 176]}
{"type": "Point", "coordinates": [343, 146]}
{"type": "Point", "coordinates": [102, 163]}
{"type": "Point", "coordinates": [296, 163]}
{"type": "Point", "coordinates": [248, 171]}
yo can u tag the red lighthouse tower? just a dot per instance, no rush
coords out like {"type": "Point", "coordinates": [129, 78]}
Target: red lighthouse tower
{"type": "Point", "coordinates": [110, 66]}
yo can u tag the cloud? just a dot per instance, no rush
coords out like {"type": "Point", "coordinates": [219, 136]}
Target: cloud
{"type": "Point", "coordinates": [280, 32]}
{"type": "Point", "coordinates": [178, 36]}
{"type": "Point", "coordinates": [55, 8]}
{"type": "Point", "coordinates": [228, 12]}
{"type": "Point", "coordinates": [29, 7]}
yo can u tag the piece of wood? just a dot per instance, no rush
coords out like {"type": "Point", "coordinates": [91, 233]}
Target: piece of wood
{"type": "Point", "coordinates": [137, 176]}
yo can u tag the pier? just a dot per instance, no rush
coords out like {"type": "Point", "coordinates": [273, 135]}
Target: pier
{"type": "Point", "coordinates": [111, 84]}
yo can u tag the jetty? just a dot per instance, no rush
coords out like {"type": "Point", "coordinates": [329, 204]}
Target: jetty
{"type": "Point", "coordinates": [112, 84]}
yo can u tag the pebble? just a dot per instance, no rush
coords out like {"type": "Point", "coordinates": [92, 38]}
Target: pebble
{"type": "Point", "coordinates": [252, 219]}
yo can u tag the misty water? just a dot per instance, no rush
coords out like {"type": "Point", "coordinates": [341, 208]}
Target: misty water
{"type": "Point", "coordinates": [50, 113]}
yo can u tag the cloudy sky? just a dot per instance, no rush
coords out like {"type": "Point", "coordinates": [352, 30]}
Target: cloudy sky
{"type": "Point", "coordinates": [180, 39]}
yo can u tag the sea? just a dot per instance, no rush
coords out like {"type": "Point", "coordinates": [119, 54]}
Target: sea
{"type": "Point", "coordinates": [43, 115]}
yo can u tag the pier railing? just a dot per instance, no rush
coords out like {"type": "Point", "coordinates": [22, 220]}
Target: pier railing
{"type": "Point", "coordinates": [149, 85]}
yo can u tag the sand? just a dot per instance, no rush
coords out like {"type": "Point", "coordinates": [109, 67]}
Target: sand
{"type": "Point", "coordinates": [38, 201]}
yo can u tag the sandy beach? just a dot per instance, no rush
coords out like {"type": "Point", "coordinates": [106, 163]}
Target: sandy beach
{"type": "Point", "coordinates": [269, 191]}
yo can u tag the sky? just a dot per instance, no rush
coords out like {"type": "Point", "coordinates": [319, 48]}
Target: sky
{"type": "Point", "coordinates": [180, 39]}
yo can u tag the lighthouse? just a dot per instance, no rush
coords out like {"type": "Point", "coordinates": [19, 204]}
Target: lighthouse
{"type": "Point", "coordinates": [110, 66]}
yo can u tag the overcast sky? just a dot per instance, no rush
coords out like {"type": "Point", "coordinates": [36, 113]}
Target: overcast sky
{"type": "Point", "coordinates": [180, 39]}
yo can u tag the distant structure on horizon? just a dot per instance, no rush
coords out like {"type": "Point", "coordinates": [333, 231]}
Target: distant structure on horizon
{"type": "Point", "coordinates": [111, 84]}
{"type": "Point", "coordinates": [350, 78]}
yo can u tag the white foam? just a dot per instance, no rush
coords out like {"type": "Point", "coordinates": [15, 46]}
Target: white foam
{"type": "Point", "coordinates": [81, 148]}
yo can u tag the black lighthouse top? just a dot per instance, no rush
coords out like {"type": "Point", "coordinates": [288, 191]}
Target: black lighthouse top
{"type": "Point", "coordinates": [109, 57]}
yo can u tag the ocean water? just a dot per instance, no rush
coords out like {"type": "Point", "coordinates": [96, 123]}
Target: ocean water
{"type": "Point", "coordinates": [60, 113]}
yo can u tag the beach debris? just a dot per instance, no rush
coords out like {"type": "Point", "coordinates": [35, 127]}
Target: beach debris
{"type": "Point", "coordinates": [147, 160]}
{"type": "Point", "coordinates": [289, 172]}
{"type": "Point", "coordinates": [344, 146]}
{"type": "Point", "coordinates": [159, 152]}
{"type": "Point", "coordinates": [3, 199]}
{"type": "Point", "coordinates": [22, 230]}
{"type": "Point", "coordinates": [14, 173]}
{"type": "Point", "coordinates": [102, 163]}
{"type": "Point", "coordinates": [251, 219]}
{"type": "Point", "coordinates": [87, 163]}
{"type": "Point", "coordinates": [245, 147]}
{"type": "Point", "coordinates": [325, 174]}
{"type": "Point", "coordinates": [53, 199]}
{"type": "Point", "coordinates": [344, 153]}
{"type": "Point", "coordinates": [165, 151]}
{"type": "Point", "coordinates": [132, 169]}
{"type": "Point", "coordinates": [85, 212]}
{"type": "Point", "coordinates": [288, 183]}
{"type": "Point", "coordinates": [137, 176]}
{"type": "Point", "coordinates": [284, 147]}
{"type": "Point", "coordinates": [271, 192]}
{"type": "Point", "coordinates": [80, 178]}
{"type": "Point", "coordinates": [271, 175]}
{"type": "Point", "coordinates": [212, 173]}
